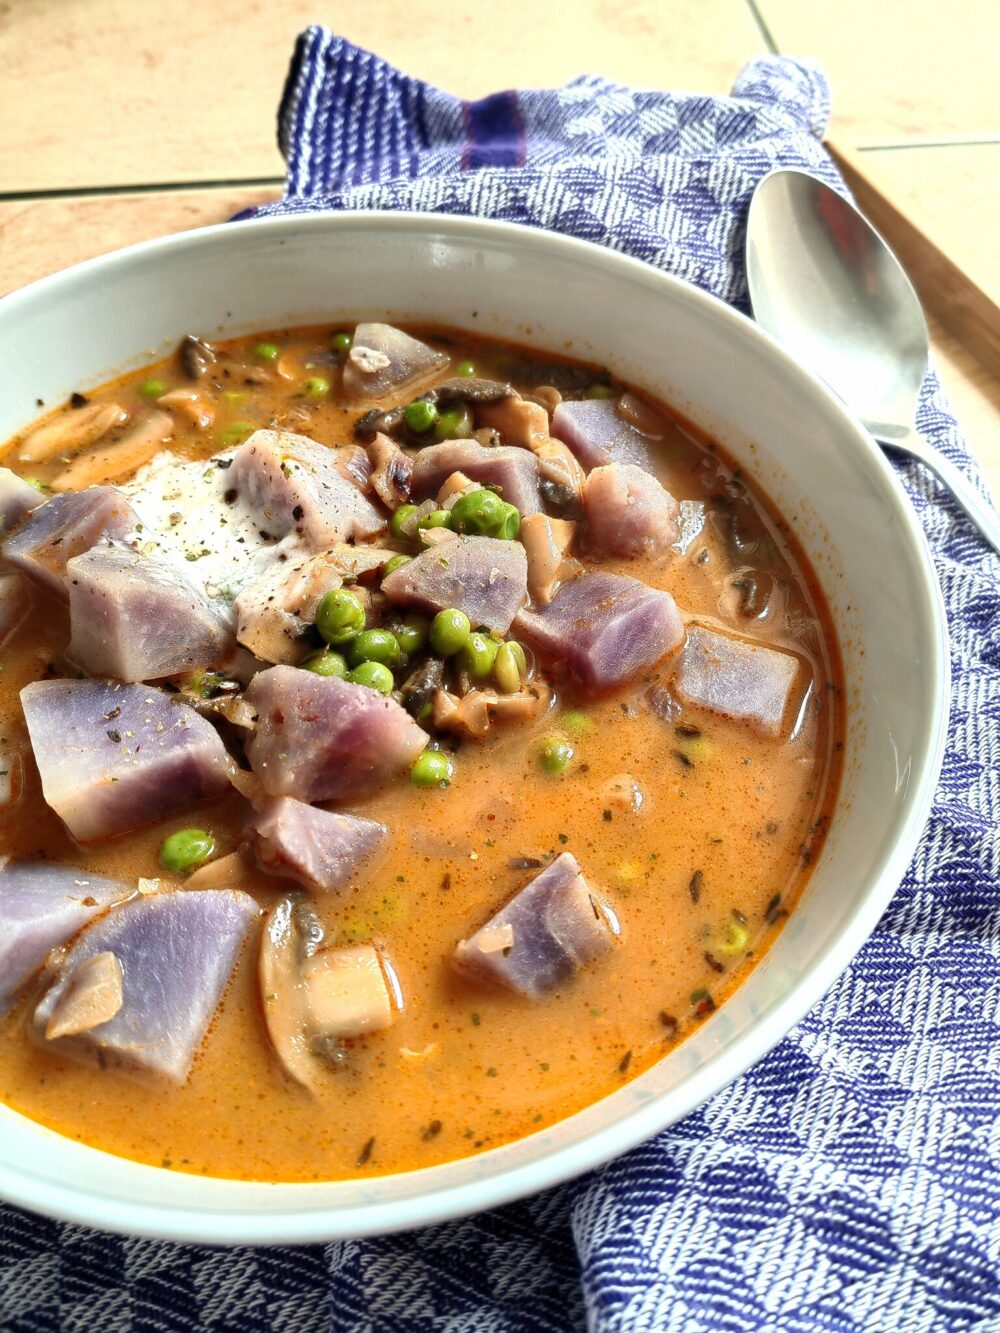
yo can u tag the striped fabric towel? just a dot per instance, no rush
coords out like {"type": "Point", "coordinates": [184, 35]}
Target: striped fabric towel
{"type": "Point", "coordinates": [850, 1181]}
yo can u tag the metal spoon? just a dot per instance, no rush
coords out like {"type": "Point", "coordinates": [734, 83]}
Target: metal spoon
{"type": "Point", "coordinates": [825, 284]}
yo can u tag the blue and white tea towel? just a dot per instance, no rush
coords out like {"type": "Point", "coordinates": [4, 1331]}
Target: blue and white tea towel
{"type": "Point", "coordinates": [850, 1181]}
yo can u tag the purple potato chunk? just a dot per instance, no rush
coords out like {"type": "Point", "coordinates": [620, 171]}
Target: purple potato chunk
{"type": "Point", "coordinates": [385, 360]}
{"type": "Point", "coordinates": [747, 682]}
{"type": "Point", "coordinates": [605, 628]}
{"type": "Point", "coordinates": [299, 486]}
{"type": "Point", "coordinates": [549, 930]}
{"type": "Point", "coordinates": [113, 758]}
{"type": "Point", "coordinates": [43, 904]}
{"type": "Point", "coordinates": [64, 527]}
{"type": "Point", "coordinates": [628, 512]}
{"type": "Point", "coordinates": [318, 738]}
{"type": "Point", "coordinates": [513, 471]}
{"type": "Point", "coordinates": [319, 848]}
{"type": "Point", "coordinates": [17, 499]}
{"type": "Point", "coordinates": [484, 577]}
{"type": "Point", "coordinates": [137, 618]}
{"type": "Point", "coordinates": [598, 435]}
{"type": "Point", "coordinates": [177, 952]}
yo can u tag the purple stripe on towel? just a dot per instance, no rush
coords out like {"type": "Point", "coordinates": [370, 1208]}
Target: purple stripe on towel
{"type": "Point", "coordinates": [496, 135]}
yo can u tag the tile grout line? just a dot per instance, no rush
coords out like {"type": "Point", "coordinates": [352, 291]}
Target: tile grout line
{"type": "Point", "coordinates": [762, 27]}
{"type": "Point", "coordinates": [154, 187]}
{"type": "Point", "coordinates": [928, 143]}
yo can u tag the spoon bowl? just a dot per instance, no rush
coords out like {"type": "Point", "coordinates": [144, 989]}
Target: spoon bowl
{"type": "Point", "coordinates": [826, 285]}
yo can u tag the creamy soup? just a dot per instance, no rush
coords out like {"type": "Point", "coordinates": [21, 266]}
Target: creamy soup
{"type": "Point", "coordinates": [407, 740]}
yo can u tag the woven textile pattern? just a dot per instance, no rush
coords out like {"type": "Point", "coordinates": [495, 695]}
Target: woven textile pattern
{"type": "Point", "coordinates": [848, 1182]}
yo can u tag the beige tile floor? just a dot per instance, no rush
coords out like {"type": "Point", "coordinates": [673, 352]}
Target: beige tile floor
{"type": "Point", "coordinates": [122, 120]}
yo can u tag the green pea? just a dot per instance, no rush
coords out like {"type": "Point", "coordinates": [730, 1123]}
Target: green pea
{"type": "Point", "coordinates": [511, 524]}
{"type": "Point", "coordinates": [466, 369]}
{"type": "Point", "coordinates": [316, 387]}
{"type": "Point", "coordinates": [432, 769]}
{"type": "Point", "coordinates": [340, 616]}
{"type": "Point", "coordinates": [233, 395]}
{"type": "Point", "coordinates": [186, 848]}
{"type": "Point", "coordinates": [374, 676]}
{"type": "Point", "coordinates": [455, 423]}
{"type": "Point", "coordinates": [735, 938]}
{"type": "Point", "coordinates": [398, 518]}
{"type": "Point", "coordinates": [479, 511]}
{"type": "Point", "coordinates": [266, 351]}
{"type": "Point", "coordinates": [576, 723]}
{"type": "Point", "coordinates": [341, 342]}
{"type": "Point", "coordinates": [326, 663]}
{"type": "Point", "coordinates": [477, 655]}
{"type": "Point", "coordinates": [450, 631]}
{"type": "Point", "coordinates": [374, 645]}
{"type": "Point", "coordinates": [509, 667]}
{"type": "Point", "coordinates": [204, 684]}
{"type": "Point", "coordinates": [420, 416]}
{"type": "Point", "coordinates": [395, 563]}
{"type": "Point", "coordinates": [152, 388]}
{"type": "Point", "coordinates": [412, 634]}
{"type": "Point", "coordinates": [237, 432]}
{"type": "Point", "coordinates": [601, 390]}
{"type": "Point", "coordinates": [437, 518]}
{"type": "Point", "coordinates": [554, 754]}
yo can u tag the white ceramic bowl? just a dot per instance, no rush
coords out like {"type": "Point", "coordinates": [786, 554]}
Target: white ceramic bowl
{"type": "Point", "coordinates": [793, 436]}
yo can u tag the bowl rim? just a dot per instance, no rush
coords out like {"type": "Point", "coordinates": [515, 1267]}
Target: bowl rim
{"type": "Point", "coordinates": [310, 1224]}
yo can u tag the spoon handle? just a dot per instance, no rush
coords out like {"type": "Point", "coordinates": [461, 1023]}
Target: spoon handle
{"type": "Point", "coordinates": [980, 511]}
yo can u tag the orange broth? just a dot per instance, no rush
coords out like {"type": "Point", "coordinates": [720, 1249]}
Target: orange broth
{"type": "Point", "coordinates": [701, 875]}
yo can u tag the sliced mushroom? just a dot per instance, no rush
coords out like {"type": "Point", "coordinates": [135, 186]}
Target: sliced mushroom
{"type": "Point", "coordinates": [474, 713]}
{"type": "Point", "coordinates": [454, 486]}
{"type": "Point", "coordinates": [349, 995]}
{"type": "Point", "coordinates": [547, 395]}
{"type": "Point", "coordinates": [518, 420]}
{"type": "Point", "coordinates": [558, 462]}
{"type": "Point", "coordinates": [469, 715]}
{"type": "Point", "coordinates": [421, 685]}
{"type": "Point", "coordinates": [315, 998]}
{"type": "Point", "coordinates": [94, 995]}
{"type": "Point", "coordinates": [376, 422]}
{"type": "Point", "coordinates": [197, 356]}
{"type": "Point", "coordinates": [290, 366]}
{"type": "Point", "coordinates": [190, 404]}
{"type": "Point", "coordinates": [560, 499]}
{"type": "Point", "coordinates": [120, 458]}
{"type": "Point", "coordinates": [474, 389]}
{"type": "Point", "coordinates": [225, 872]}
{"type": "Point", "coordinates": [273, 611]}
{"type": "Point", "coordinates": [642, 416]}
{"type": "Point", "coordinates": [546, 541]}
{"type": "Point", "coordinates": [71, 431]}
{"type": "Point", "coordinates": [524, 705]}
{"type": "Point", "coordinates": [391, 468]}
